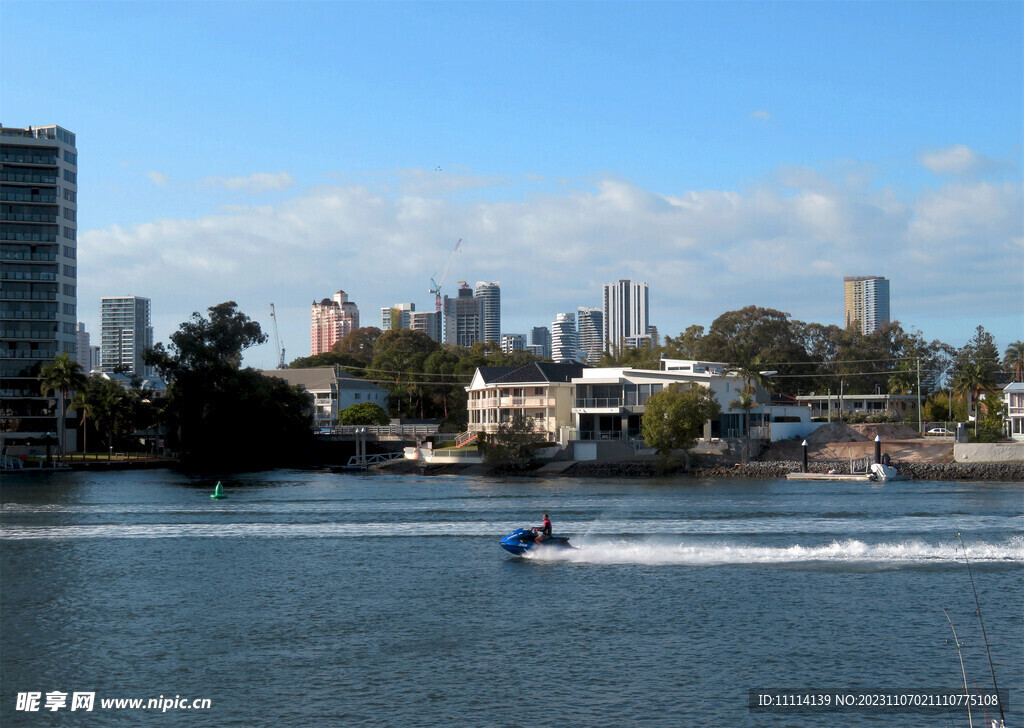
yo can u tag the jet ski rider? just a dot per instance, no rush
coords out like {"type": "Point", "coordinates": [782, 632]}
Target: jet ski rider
{"type": "Point", "coordinates": [544, 530]}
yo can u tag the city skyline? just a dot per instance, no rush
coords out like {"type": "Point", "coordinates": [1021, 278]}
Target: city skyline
{"type": "Point", "coordinates": [731, 154]}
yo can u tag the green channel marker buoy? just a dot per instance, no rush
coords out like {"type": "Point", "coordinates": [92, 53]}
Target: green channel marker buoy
{"type": "Point", "coordinates": [218, 492]}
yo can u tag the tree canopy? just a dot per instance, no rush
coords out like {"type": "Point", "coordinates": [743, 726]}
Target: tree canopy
{"type": "Point", "coordinates": [212, 403]}
{"type": "Point", "coordinates": [674, 417]}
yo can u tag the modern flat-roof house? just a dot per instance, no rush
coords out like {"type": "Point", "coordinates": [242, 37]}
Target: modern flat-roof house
{"type": "Point", "coordinates": [830, 406]}
{"type": "Point", "coordinates": [1013, 397]}
{"type": "Point", "coordinates": [610, 402]}
{"type": "Point", "coordinates": [542, 391]}
{"type": "Point", "coordinates": [331, 391]}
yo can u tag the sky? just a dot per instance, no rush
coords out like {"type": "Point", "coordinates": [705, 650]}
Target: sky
{"type": "Point", "coordinates": [728, 154]}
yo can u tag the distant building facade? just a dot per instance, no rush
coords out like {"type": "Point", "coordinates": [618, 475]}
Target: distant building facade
{"type": "Point", "coordinates": [463, 317]}
{"type": "Point", "coordinates": [590, 328]}
{"type": "Point", "coordinates": [540, 342]}
{"type": "Point", "coordinates": [126, 333]}
{"type": "Point", "coordinates": [85, 351]}
{"type": "Point", "coordinates": [427, 322]}
{"type": "Point", "coordinates": [38, 267]}
{"type": "Point", "coordinates": [564, 341]}
{"type": "Point", "coordinates": [626, 311]}
{"type": "Point", "coordinates": [490, 298]}
{"type": "Point", "coordinates": [513, 342]}
{"type": "Point", "coordinates": [396, 317]}
{"type": "Point", "coordinates": [331, 319]}
{"type": "Point", "coordinates": [867, 302]}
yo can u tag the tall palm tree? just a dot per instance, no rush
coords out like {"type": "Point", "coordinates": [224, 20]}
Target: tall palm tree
{"type": "Point", "coordinates": [746, 402]}
{"type": "Point", "coordinates": [973, 379]}
{"type": "Point", "coordinates": [64, 376]}
{"type": "Point", "coordinates": [82, 402]}
{"type": "Point", "coordinates": [1013, 360]}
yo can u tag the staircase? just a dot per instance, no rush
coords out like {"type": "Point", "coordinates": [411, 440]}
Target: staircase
{"type": "Point", "coordinates": [466, 438]}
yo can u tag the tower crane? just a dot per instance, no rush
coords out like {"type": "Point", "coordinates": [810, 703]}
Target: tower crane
{"type": "Point", "coordinates": [436, 286]}
{"type": "Point", "coordinates": [277, 340]}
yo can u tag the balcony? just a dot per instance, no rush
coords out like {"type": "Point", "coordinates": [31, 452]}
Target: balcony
{"type": "Point", "coordinates": [598, 403]}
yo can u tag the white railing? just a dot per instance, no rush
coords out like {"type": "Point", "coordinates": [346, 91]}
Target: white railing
{"type": "Point", "coordinates": [382, 430]}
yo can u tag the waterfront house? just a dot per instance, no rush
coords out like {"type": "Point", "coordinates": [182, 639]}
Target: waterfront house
{"type": "Point", "coordinates": [331, 391]}
{"type": "Point", "coordinates": [540, 391]}
{"type": "Point", "coordinates": [610, 401]}
{"type": "Point", "coordinates": [1013, 398]}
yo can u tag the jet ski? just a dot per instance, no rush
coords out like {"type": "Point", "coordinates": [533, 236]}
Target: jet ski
{"type": "Point", "coordinates": [523, 539]}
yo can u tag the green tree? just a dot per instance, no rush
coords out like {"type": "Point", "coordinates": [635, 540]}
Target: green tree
{"type": "Point", "coordinates": [329, 359]}
{"type": "Point", "coordinates": [1013, 360]}
{"type": "Point", "coordinates": [359, 344]}
{"type": "Point", "coordinates": [363, 413]}
{"type": "Point", "coordinates": [110, 407]}
{"type": "Point", "coordinates": [512, 446]}
{"type": "Point", "coordinates": [62, 376]}
{"type": "Point", "coordinates": [674, 417]}
{"type": "Point", "coordinates": [220, 415]}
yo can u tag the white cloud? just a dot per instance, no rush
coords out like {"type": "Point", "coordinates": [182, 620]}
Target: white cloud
{"type": "Point", "coordinates": [762, 115]}
{"type": "Point", "coordinates": [784, 244]}
{"type": "Point", "coordinates": [158, 178]}
{"type": "Point", "coordinates": [254, 183]}
{"type": "Point", "coordinates": [958, 161]}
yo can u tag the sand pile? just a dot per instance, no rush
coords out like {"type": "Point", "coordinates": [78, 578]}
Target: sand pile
{"type": "Point", "coordinates": [888, 431]}
{"type": "Point", "coordinates": [835, 432]}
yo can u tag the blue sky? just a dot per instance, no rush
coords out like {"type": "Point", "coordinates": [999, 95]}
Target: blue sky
{"type": "Point", "coordinates": [727, 153]}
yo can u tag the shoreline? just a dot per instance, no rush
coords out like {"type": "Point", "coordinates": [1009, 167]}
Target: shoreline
{"type": "Point", "coordinates": [995, 472]}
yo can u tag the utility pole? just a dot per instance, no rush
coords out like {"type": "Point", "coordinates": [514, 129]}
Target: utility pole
{"type": "Point", "coordinates": [920, 429]}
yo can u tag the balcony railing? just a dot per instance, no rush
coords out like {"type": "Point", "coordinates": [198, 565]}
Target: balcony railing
{"type": "Point", "coordinates": [598, 403]}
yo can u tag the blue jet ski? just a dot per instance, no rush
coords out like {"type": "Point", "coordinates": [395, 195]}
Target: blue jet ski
{"type": "Point", "coordinates": [523, 539]}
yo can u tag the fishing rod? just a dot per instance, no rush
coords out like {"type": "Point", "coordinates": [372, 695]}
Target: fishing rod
{"type": "Point", "coordinates": [959, 644]}
{"type": "Point", "coordinates": [977, 603]}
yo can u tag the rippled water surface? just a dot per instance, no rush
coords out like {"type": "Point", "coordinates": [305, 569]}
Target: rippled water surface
{"type": "Point", "coordinates": [321, 599]}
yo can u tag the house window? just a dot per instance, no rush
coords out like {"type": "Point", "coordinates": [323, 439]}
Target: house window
{"type": "Point", "coordinates": [358, 395]}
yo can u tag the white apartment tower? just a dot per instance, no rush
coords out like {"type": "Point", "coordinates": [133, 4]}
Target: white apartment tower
{"type": "Point", "coordinates": [564, 342]}
{"type": "Point", "coordinates": [490, 296]}
{"type": "Point", "coordinates": [590, 325]}
{"type": "Point", "coordinates": [626, 311]}
{"type": "Point", "coordinates": [39, 270]}
{"type": "Point", "coordinates": [126, 333]}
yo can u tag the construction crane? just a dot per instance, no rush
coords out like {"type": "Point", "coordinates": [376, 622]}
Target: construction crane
{"type": "Point", "coordinates": [277, 341]}
{"type": "Point", "coordinates": [436, 289]}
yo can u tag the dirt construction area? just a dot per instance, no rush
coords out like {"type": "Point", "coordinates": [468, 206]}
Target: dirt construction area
{"type": "Point", "coordinates": [835, 441]}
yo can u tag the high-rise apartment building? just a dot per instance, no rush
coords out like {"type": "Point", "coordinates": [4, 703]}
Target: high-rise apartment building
{"type": "Point", "coordinates": [540, 342]}
{"type": "Point", "coordinates": [85, 350]}
{"type": "Point", "coordinates": [463, 317]}
{"type": "Point", "coordinates": [867, 302]}
{"type": "Point", "coordinates": [396, 317]}
{"type": "Point", "coordinates": [38, 272]}
{"type": "Point", "coordinates": [490, 295]}
{"type": "Point", "coordinates": [427, 322]}
{"type": "Point", "coordinates": [626, 309]}
{"type": "Point", "coordinates": [125, 334]}
{"type": "Point", "coordinates": [590, 326]}
{"type": "Point", "coordinates": [331, 319]}
{"type": "Point", "coordinates": [513, 342]}
{"type": "Point", "coordinates": [564, 341]}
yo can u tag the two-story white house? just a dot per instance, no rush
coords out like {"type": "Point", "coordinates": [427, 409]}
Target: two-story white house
{"type": "Point", "coordinates": [331, 390]}
{"type": "Point", "coordinates": [610, 402]}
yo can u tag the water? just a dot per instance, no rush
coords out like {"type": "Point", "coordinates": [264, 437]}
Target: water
{"type": "Point", "coordinates": [321, 599]}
